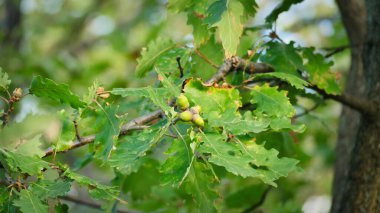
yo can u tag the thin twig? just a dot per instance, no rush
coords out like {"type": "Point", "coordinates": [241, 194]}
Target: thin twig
{"type": "Point", "coordinates": [77, 135]}
{"type": "Point", "coordinates": [205, 58]}
{"type": "Point", "coordinates": [306, 111]}
{"type": "Point", "coordinates": [92, 204]}
{"type": "Point", "coordinates": [4, 99]}
{"type": "Point", "coordinates": [259, 203]}
{"type": "Point", "coordinates": [179, 66]}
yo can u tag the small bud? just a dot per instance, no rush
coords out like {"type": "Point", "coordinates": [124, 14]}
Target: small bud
{"type": "Point", "coordinates": [17, 93]}
{"type": "Point", "coordinates": [100, 92]}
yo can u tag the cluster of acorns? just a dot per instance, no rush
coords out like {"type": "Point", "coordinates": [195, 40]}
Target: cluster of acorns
{"type": "Point", "coordinates": [191, 114]}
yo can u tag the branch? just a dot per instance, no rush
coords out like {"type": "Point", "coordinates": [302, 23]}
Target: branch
{"type": "Point", "coordinates": [259, 203]}
{"type": "Point", "coordinates": [306, 111]}
{"type": "Point", "coordinates": [236, 63]}
{"type": "Point", "coordinates": [357, 103]}
{"type": "Point", "coordinates": [91, 204]}
{"type": "Point", "coordinates": [125, 129]}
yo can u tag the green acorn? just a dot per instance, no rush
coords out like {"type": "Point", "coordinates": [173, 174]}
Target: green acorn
{"type": "Point", "coordinates": [183, 102]}
{"type": "Point", "coordinates": [198, 120]}
{"type": "Point", "coordinates": [186, 115]}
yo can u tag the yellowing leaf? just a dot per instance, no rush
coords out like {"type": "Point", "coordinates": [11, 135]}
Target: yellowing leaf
{"type": "Point", "coordinates": [231, 28]}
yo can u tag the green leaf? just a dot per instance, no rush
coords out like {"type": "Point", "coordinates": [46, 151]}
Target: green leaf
{"type": "Point", "coordinates": [231, 28]}
{"type": "Point", "coordinates": [198, 184]}
{"type": "Point", "coordinates": [283, 57]}
{"type": "Point", "coordinates": [67, 132]}
{"type": "Point", "coordinates": [30, 203]}
{"type": "Point", "coordinates": [177, 165]}
{"type": "Point", "coordinates": [147, 174]}
{"type": "Point", "coordinates": [106, 139]}
{"type": "Point", "coordinates": [27, 164]}
{"type": "Point", "coordinates": [96, 190]}
{"type": "Point", "coordinates": [149, 56]}
{"type": "Point", "coordinates": [4, 80]}
{"type": "Point", "coordinates": [31, 147]}
{"type": "Point", "coordinates": [280, 8]}
{"type": "Point", "coordinates": [293, 80]}
{"type": "Point", "coordinates": [246, 160]}
{"type": "Point", "coordinates": [214, 53]}
{"type": "Point", "coordinates": [140, 92]}
{"type": "Point", "coordinates": [271, 102]}
{"type": "Point", "coordinates": [215, 12]}
{"type": "Point", "coordinates": [212, 99]}
{"type": "Point", "coordinates": [50, 189]}
{"type": "Point", "coordinates": [179, 5]}
{"type": "Point", "coordinates": [319, 70]}
{"type": "Point", "coordinates": [47, 88]}
{"type": "Point", "coordinates": [61, 208]}
{"type": "Point", "coordinates": [159, 96]}
{"type": "Point", "coordinates": [129, 151]}
{"type": "Point", "coordinates": [282, 123]}
{"type": "Point", "coordinates": [201, 32]}
{"type": "Point", "coordinates": [250, 7]}
{"type": "Point", "coordinates": [167, 63]}
{"type": "Point", "coordinates": [236, 124]}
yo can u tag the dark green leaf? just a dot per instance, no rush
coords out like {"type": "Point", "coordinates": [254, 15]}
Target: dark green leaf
{"type": "Point", "coordinates": [198, 184]}
{"type": "Point", "coordinates": [50, 189]}
{"type": "Point", "coordinates": [176, 167]}
{"type": "Point", "coordinates": [280, 8]}
{"type": "Point", "coordinates": [27, 164]}
{"type": "Point", "coordinates": [30, 203]}
{"type": "Point", "coordinates": [47, 88]}
{"type": "Point", "coordinates": [215, 12]}
{"type": "Point", "coordinates": [247, 160]}
{"type": "Point", "coordinates": [4, 80]}
{"type": "Point", "coordinates": [319, 70]}
{"type": "Point", "coordinates": [96, 190]}
{"type": "Point", "coordinates": [129, 151]}
{"type": "Point", "coordinates": [284, 57]}
{"type": "Point", "coordinates": [150, 54]}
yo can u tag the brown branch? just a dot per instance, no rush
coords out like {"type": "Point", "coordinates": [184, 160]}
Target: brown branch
{"type": "Point", "coordinates": [259, 203]}
{"type": "Point", "coordinates": [360, 104]}
{"type": "Point", "coordinates": [92, 204]}
{"type": "Point", "coordinates": [236, 63]}
{"type": "Point", "coordinates": [125, 129]}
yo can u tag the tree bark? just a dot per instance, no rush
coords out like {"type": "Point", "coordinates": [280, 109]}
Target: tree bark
{"type": "Point", "coordinates": [357, 168]}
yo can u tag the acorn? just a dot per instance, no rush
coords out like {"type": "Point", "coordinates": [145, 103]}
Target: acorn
{"type": "Point", "coordinates": [198, 120]}
{"type": "Point", "coordinates": [196, 109]}
{"type": "Point", "coordinates": [186, 115]}
{"type": "Point", "coordinates": [183, 102]}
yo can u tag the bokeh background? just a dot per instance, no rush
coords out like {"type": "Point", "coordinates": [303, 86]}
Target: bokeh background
{"type": "Point", "coordinates": [79, 42]}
